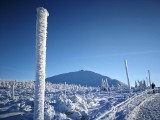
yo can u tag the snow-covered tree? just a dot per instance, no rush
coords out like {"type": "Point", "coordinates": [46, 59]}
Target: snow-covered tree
{"type": "Point", "coordinates": [112, 87]}
{"type": "Point", "coordinates": [41, 31]}
{"type": "Point", "coordinates": [144, 84]}
{"type": "Point", "coordinates": [120, 87]}
{"type": "Point", "coordinates": [140, 86]}
{"type": "Point", "coordinates": [104, 85]}
{"type": "Point", "coordinates": [136, 86]}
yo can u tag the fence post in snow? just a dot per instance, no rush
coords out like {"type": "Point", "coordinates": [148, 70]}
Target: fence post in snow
{"type": "Point", "coordinates": [65, 89]}
{"type": "Point", "coordinates": [13, 90]}
{"type": "Point", "coordinates": [41, 34]}
{"type": "Point", "coordinates": [126, 67]}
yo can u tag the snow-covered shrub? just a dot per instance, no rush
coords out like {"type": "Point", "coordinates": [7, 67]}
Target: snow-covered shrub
{"type": "Point", "coordinates": [28, 108]}
{"type": "Point", "coordinates": [74, 107]}
{"type": "Point", "coordinates": [49, 113]}
{"type": "Point", "coordinates": [76, 115]}
{"type": "Point", "coordinates": [64, 105]}
{"type": "Point", "coordinates": [61, 116]}
{"type": "Point", "coordinates": [22, 105]}
{"type": "Point", "coordinates": [81, 104]}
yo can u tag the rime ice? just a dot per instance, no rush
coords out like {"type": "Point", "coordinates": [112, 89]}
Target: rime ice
{"type": "Point", "coordinates": [41, 31]}
{"type": "Point", "coordinates": [126, 67]}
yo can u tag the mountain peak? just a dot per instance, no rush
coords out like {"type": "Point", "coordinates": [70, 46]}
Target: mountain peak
{"type": "Point", "coordinates": [82, 77]}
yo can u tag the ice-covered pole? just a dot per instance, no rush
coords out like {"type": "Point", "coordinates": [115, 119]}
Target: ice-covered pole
{"type": "Point", "coordinates": [41, 35]}
{"type": "Point", "coordinates": [65, 89]}
{"type": "Point", "coordinates": [147, 81]}
{"type": "Point", "coordinates": [13, 90]}
{"type": "Point", "coordinates": [149, 77]}
{"type": "Point", "coordinates": [126, 67]}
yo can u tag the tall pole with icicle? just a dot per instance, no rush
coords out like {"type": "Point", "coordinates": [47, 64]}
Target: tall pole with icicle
{"type": "Point", "coordinates": [126, 67]}
{"type": "Point", "coordinates": [41, 35]}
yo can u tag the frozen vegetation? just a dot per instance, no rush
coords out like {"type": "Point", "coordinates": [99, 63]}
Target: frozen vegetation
{"type": "Point", "coordinates": [76, 102]}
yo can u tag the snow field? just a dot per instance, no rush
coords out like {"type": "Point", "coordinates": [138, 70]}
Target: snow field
{"type": "Point", "coordinates": [75, 102]}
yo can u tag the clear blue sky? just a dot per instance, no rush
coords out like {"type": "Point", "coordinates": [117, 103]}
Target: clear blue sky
{"type": "Point", "coordinates": [94, 35]}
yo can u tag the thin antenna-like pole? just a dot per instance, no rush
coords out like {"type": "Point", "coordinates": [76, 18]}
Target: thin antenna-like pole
{"type": "Point", "coordinates": [126, 66]}
{"type": "Point", "coordinates": [147, 81]}
{"type": "Point", "coordinates": [149, 77]}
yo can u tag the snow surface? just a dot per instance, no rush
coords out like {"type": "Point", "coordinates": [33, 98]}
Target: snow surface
{"type": "Point", "coordinates": [149, 109]}
{"type": "Point", "coordinates": [75, 102]}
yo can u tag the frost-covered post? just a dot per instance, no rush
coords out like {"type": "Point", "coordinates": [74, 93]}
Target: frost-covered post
{"type": "Point", "coordinates": [65, 89]}
{"type": "Point", "coordinates": [149, 77]}
{"type": "Point", "coordinates": [41, 34]}
{"type": "Point", "coordinates": [147, 81]}
{"type": "Point", "coordinates": [126, 66]}
{"type": "Point", "coordinates": [13, 90]}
